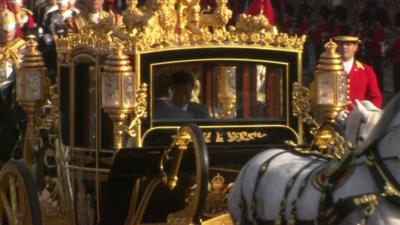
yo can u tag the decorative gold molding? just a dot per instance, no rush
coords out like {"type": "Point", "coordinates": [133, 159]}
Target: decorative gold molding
{"type": "Point", "coordinates": [166, 28]}
{"type": "Point", "coordinates": [140, 111]}
{"type": "Point", "coordinates": [244, 136]}
{"type": "Point", "coordinates": [301, 103]}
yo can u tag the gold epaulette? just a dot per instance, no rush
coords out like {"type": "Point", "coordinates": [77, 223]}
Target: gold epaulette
{"type": "Point", "coordinates": [27, 11]}
{"type": "Point", "coordinates": [11, 51]}
{"type": "Point", "coordinates": [359, 65]}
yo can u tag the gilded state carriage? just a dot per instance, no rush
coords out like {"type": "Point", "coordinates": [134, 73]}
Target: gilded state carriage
{"type": "Point", "coordinates": [95, 152]}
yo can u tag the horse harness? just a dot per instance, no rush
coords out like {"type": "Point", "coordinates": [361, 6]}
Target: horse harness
{"type": "Point", "coordinates": [330, 212]}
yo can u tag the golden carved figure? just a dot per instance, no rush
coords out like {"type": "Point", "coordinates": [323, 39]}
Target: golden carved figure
{"type": "Point", "coordinates": [253, 24]}
{"type": "Point", "coordinates": [216, 202]}
{"type": "Point", "coordinates": [133, 17]}
{"type": "Point", "coordinates": [192, 15]}
{"type": "Point", "coordinates": [166, 15]}
{"type": "Point", "coordinates": [218, 19]}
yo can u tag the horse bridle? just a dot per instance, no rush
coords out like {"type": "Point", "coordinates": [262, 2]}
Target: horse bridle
{"type": "Point", "coordinates": [387, 184]}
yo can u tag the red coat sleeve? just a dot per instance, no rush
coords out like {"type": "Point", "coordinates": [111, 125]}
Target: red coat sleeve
{"type": "Point", "coordinates": [373, 93]}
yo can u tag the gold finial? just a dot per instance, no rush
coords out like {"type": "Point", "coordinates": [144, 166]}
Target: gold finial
{"type": "Point", "coordinates": [118, 62]}
{"type": "Point", "coordinates": [330, 47]}
{"type": "Point", "coordinates": [330, 60]}
{"type": "Point", "coordinates": [32, 57]}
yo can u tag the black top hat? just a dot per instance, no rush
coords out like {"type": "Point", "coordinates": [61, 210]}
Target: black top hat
{"type": "Point", "coordinates": [347, 34]}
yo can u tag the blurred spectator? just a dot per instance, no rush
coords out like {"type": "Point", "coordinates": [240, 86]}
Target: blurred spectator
{"type": "Point", "coordinates": [375, 41]}
{"type": "Point", "coordinates": [56, 23]}
{"type": "Point", "coordinates": [287, 22]}
{"type": "Point", "coordinates": [24, 17]}
{"type": "Point", "coordinates": [394, 55]}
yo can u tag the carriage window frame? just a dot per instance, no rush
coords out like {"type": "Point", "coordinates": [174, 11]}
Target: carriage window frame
{"type": "Point", "coordinates": [233, 61]}
{"type": "Point", "coordinates": [292, 129]}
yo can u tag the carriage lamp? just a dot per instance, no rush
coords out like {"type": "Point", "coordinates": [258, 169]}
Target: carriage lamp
{"type": "Point", "coordinates": [331, 90]}
{"type": "Point", "coordinates": [118, 92]}
{"type": "Point", "coordinates": [31, 90]}
{"type": "Point", "coordinates": [226, 90]}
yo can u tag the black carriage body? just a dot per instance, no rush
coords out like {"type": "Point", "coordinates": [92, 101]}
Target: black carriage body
{"type": "Point", "coordinates": [99, 177]}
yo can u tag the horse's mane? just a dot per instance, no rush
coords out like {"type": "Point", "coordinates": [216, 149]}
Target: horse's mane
{"type": "Point", "coordinates": [380, 129]}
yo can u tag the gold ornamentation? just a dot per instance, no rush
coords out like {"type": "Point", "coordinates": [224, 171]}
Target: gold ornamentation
{"type": "Point", "coordinates": [331, 86]}
{"type": "Point", "coordinates": [244, 136]}
{"type": "Point", "coordinates": [207, 136]}
{"type": "Point", "coordinates": [106, 22]}
{"type": "Point", "coordinates": [254, 24]}
{"type": "Point", "coordinates": [390, 190]}
{"type": "Point", "coordinates": [50, 120]}
{"type": "Point", "coordinates": [159, 30]}
{"type": "Point", "coordinates": [219, 138]}
{"type": "Point", "coordinates": [140, 110]}
{"type": "Point", "coordinates": [302, 107]}
{"type": "Point", "coordinates": [331, 144]}
{"type": "Point", "coordinates": [180, 141]}
{"type": "Point", "coordinates": [218, 193]}
{"type": "Point", "coordinates": [11, 52]}
{"type": "Point", "coordinates": [366, 199]}
{"type": "Point", "coordinates": [217, 197]}
{"type": "Point", "coordinates": [218, 19]}
{"type": "Point", "coordinates": [133, 17]}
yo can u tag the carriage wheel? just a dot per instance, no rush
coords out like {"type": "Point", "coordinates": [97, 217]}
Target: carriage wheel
{"type": "Point", "coordinates": [19, 203]}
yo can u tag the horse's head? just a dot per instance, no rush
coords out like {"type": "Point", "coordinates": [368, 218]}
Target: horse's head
{"type": "Point", "coordinates": [361, 121]}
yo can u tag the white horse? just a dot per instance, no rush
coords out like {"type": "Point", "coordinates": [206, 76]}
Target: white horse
{"type": "Point", "coordinates": [276, 185]}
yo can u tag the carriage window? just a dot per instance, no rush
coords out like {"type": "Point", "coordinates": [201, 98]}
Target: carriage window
{"type": "Point", "coordinates": [85, 103]}
{"type": "Point", "coordinates": [225, 90]}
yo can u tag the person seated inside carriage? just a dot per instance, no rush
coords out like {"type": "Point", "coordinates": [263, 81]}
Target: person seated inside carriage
{"type": "Point", "coordinates": [182, 88]}
{"type": "Point", "coordinates": [163, 107]}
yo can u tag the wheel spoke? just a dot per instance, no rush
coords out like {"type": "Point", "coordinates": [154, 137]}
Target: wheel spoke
{"type": "Point", "coordinates": [13, 195]}
{"type": "Point", "coordinates": [7, 207]}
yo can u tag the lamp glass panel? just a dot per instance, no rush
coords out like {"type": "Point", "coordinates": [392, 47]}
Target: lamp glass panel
{"type": "Point", "coordinates": [110, 91]}
{"type": "Point", "coordinates": [342, 89]}
{"type": "Point", "coordinates": [33, 86]}
{"type": "Point", "coordinates": [129, 91]}
{"type": "Point", "coordinates": [326, 89]}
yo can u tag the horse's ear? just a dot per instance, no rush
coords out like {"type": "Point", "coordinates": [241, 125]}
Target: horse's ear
{"type": "Point", "coordinates": [361, 108]}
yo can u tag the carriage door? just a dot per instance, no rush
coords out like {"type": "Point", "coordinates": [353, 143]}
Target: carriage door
{"type": "Point", "coordinates": [84, 133]}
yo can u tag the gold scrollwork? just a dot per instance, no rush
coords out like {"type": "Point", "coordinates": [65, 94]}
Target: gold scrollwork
{"type": "Point", "coordinates": [302, 107]}
{"type": "Point", "coordinates": [207, 136]}
{"type": "Point", "coordinates": [156, 29]}
{"type": "Point", "coordinates": [243, 136]}
{"type": "Point", "coordinates": [140, 110]}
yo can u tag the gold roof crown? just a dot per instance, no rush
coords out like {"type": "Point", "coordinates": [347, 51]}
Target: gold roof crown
{"type": "Point", "coordinates": [156, 29]}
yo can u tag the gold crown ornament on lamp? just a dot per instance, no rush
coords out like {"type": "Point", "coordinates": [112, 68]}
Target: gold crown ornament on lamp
{"type": "Point", "coordinates": [118, 92]}
{"type": "Point", "coordinates": [331, 85]}
{"type": "Point", "coordinates": [32, 90]}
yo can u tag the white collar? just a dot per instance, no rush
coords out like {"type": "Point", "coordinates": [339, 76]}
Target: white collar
{"type": "Point", "coordinates": [347, 65]}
